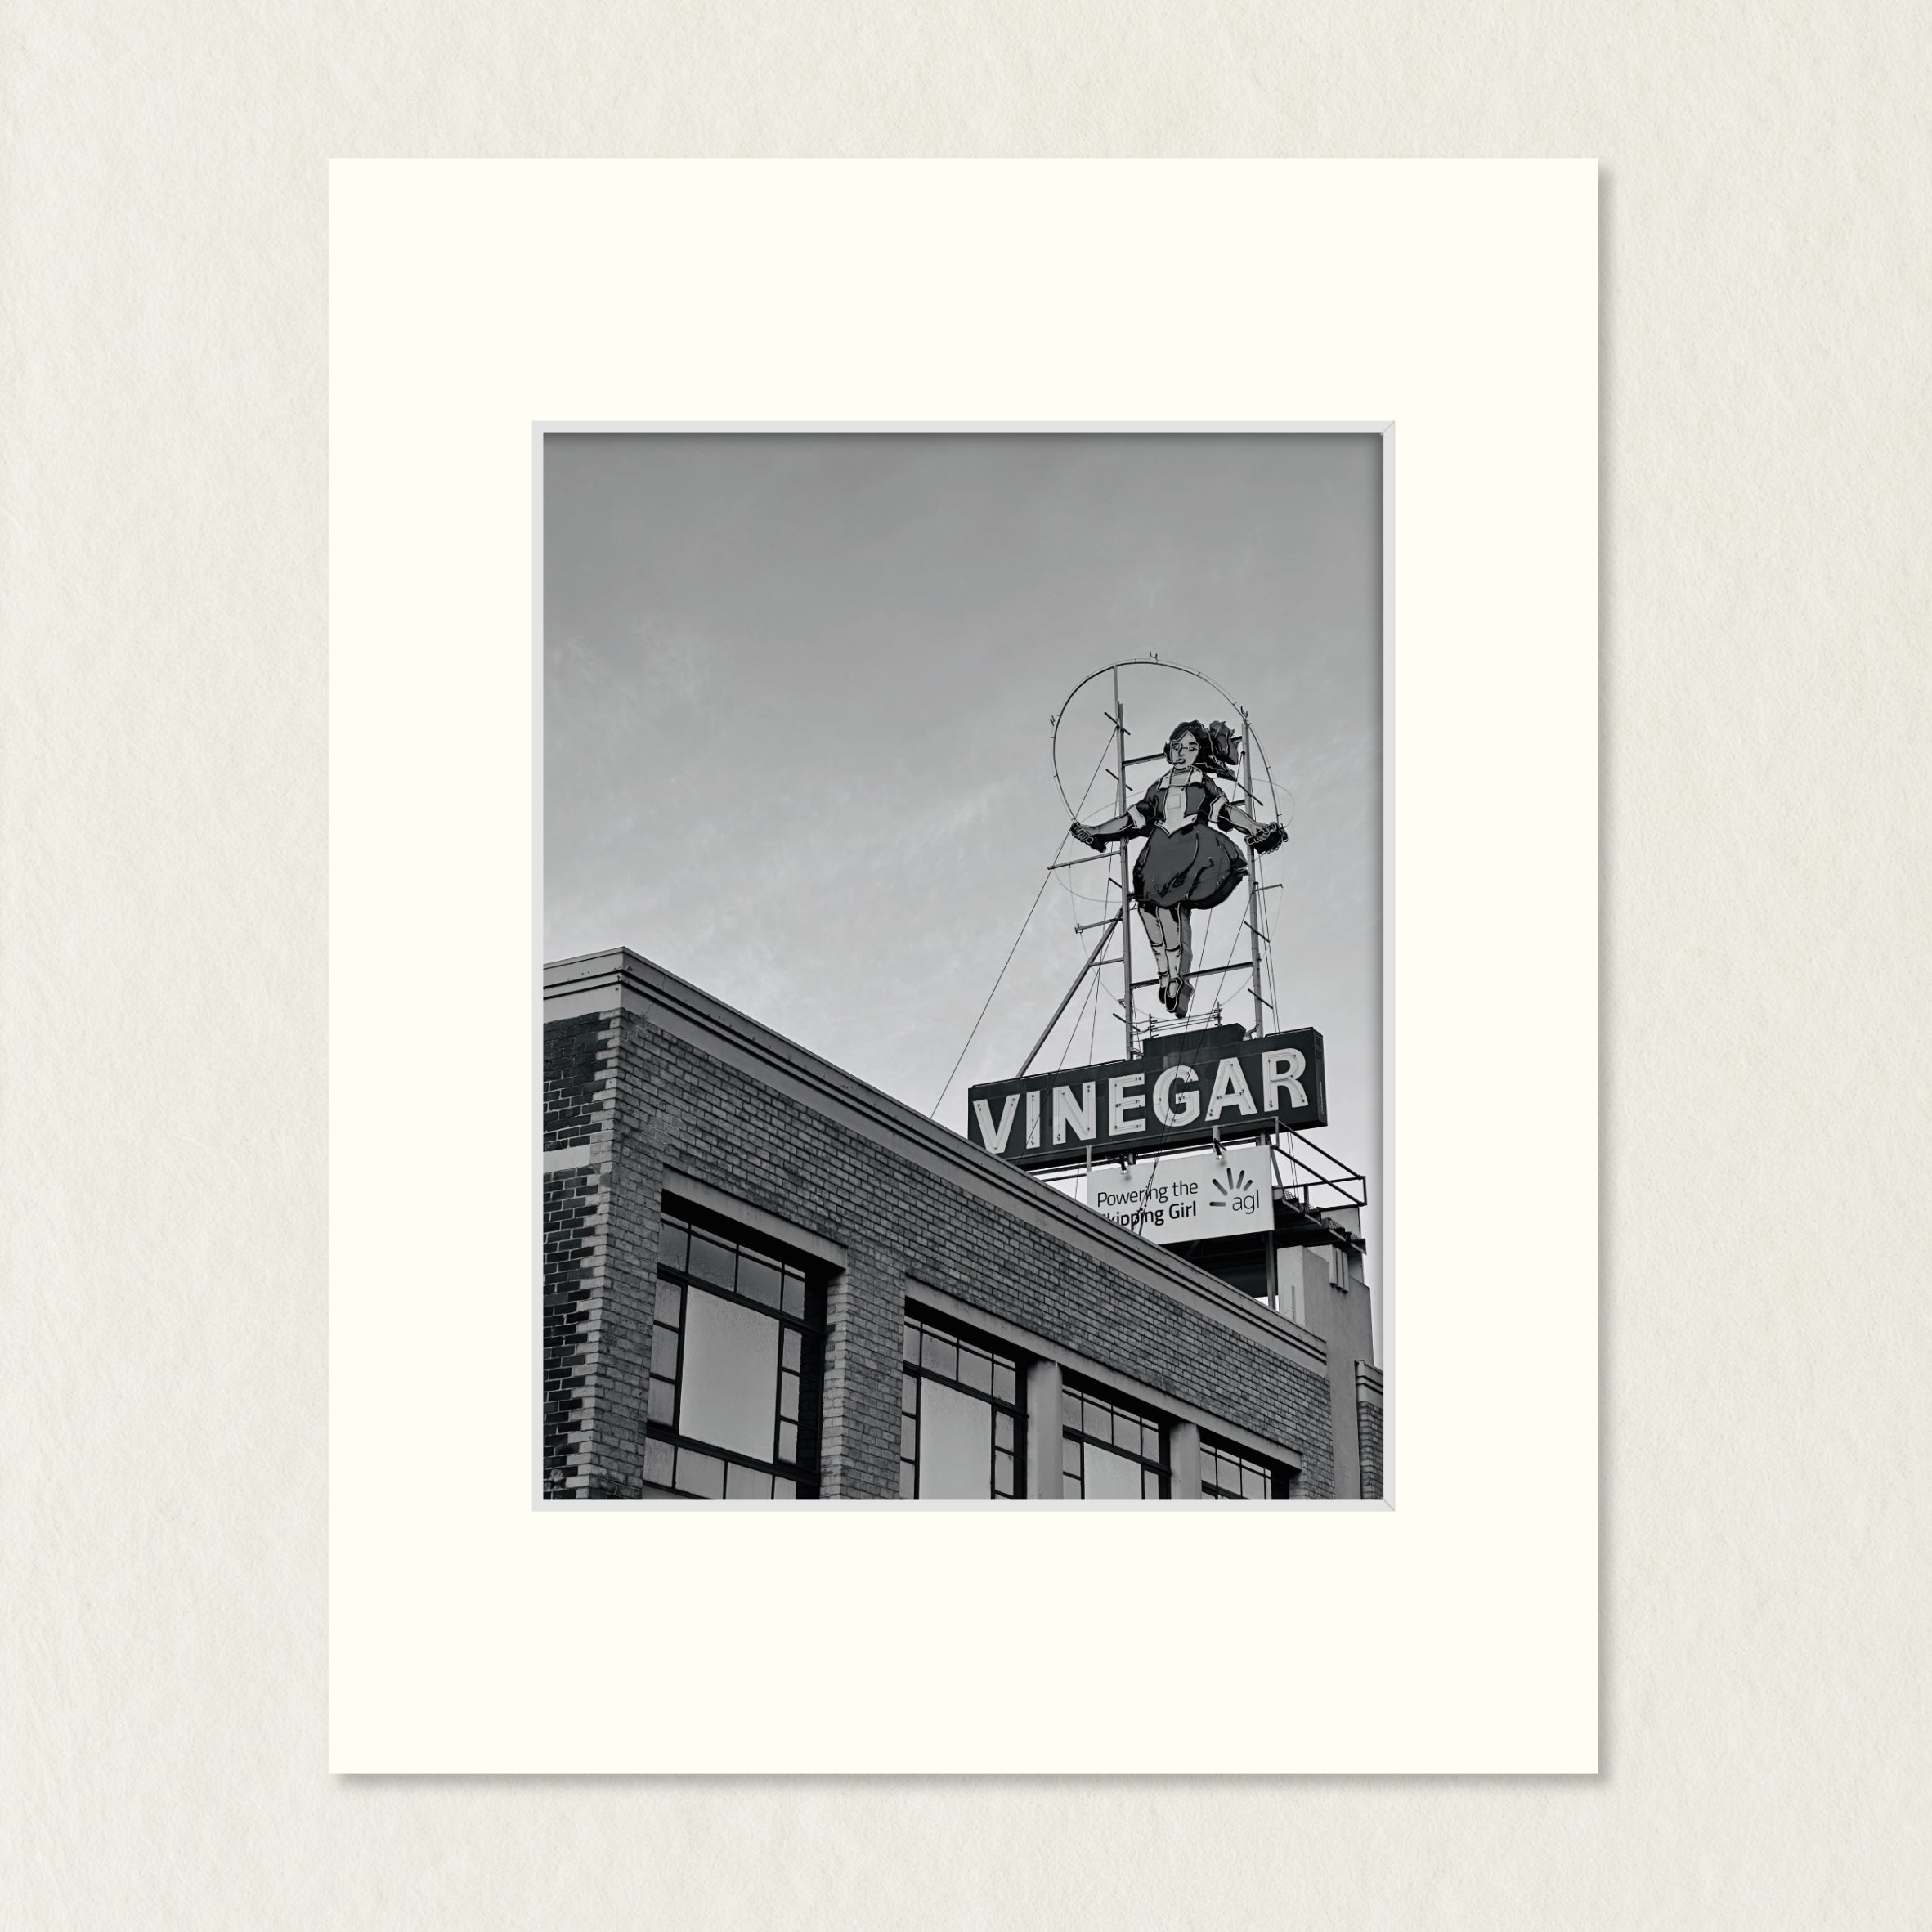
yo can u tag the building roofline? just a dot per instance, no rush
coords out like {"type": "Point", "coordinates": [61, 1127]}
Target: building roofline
{"type": "Point", "coordinates": [601, 981]}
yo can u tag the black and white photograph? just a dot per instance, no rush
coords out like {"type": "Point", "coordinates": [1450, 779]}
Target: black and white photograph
{"type": "Point", "coordinates": [962, 919]}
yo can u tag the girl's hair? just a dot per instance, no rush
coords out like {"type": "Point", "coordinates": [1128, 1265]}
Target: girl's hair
{"type": "Point", "coordinates": [1217, 743]}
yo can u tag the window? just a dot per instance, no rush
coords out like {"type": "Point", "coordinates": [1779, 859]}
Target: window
{"type": "Point", "coordinates": [1233, 1478]}
{"type": "Point", "coordinates": [734, 1367]}
{"type": "Point", "coordinates": [960, 1423]}
{"type": "Point", "coordinates": [1110, 1450]}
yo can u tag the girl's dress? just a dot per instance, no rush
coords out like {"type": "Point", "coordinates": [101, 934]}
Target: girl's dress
{"type": "Point", "coordinates": [1195, 868]}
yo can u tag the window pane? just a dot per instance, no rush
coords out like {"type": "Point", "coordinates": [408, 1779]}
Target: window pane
{"type": "Point", "coordinates": [1069, 1409]}
{"type": "Point", "coordinates": [1072, 1487]}
{"type": "Point", "coordinates": [1097, 1419]}
{"type": "Point", "coordinates": [784, 1490]}
{"type": "Point", "coordinates": [1150, 1442]}
{"type": "Point", "coordinates": [1127, 1433]}
{"type": "Point", "coordinates": [787, 1442]}
{"type": "Point", "coordinates": [1002, 1431]}
{"type": "Point", "coordinates": [908, 1437]}
{"type": "Point", "coordinates": [795, 1348]}
{"type": "Point", "coordinates": [671, 1244]}
{"type": "Point", "coordinates": [908, 1399]}
{"type": "Point", "coordinates": [671, 1299]}
{"type": "Point", "coordinates": [905, 1481]}
{"type": "Point", "coordinates": [710, 1261]}
{"type": "Point", "coordinates": [788, 1397]}
{"type": "Point", "coordinates": [939, 1355]}
{"type": "Point", "coordinates": [747, 1482]}
{"type": "Point", "coordinates": [664, 1399]}
{"type": "Point", "coordinates": [1111, 1477]}
{"type": "Point", "coordinates": [759, 1279]}
{"type": "Point", "coordinates": [1253, 1483]}
{"type": "Point", "coordinates": [700, 1475]}
{"type": "Point", "coordinates": [1002, 1382]}
{"type": "Point", "coordinates": [975, 1369]}
{"type": "Point", "coordinates": [1002, 1474]}
{"type": "Point", "coordinates": [1070, 1457]}
{"type": "Point", "coordinates": [659, 1459]}
{"type": "Point", "coordinates": [955, 1444]}
{"type": "Point", "coordinates": [664, 1353]}
{"type": "Point", "coordinates": [731, 1374]}
{"type": "Point", "coordinates": [795, 1292]}
{"type": "Point", "coordinates": [910, 1351]}
{"type": "Point", "coordinates": [1150, 1484]}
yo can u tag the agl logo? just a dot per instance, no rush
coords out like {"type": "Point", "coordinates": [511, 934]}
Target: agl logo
{"type": "Point", "coordinates": [1236, 1191]}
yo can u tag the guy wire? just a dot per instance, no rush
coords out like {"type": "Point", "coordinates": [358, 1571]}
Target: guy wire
{"type": "Point", "coordinates": [1044, 877]}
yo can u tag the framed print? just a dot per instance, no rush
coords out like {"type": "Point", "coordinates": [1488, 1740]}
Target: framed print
{"type": "Point", "coordinates": [703, 536]}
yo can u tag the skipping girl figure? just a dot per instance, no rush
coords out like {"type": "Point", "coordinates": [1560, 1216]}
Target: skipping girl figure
{"type": "Point", "coordinates": [1186, 863]}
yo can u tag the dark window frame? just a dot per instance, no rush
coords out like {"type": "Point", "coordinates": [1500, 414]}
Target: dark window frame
{"type": "Point", "coordinates": [914, 1372]}
{"type": "Point", "coordinates": [798, 1314]}
{"type": "Point", "coordinates": [1274, 1481]}
{"type": "Point", "coordinates": [1076, 1397]}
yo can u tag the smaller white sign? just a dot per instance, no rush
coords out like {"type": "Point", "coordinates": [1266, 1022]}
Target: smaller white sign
{"type": "Point", "coordinates": [1185, 1197]}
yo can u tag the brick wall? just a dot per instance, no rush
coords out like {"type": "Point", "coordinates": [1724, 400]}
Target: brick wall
{"type": "Point", "coordinates": [577, 1075]}
{"type": "Point", "coordinates": [622, 1366]}
{"type": "Point", "coordinates": [579, 1083]}
{"type": "Point", "coordinates": [571, 1203]}
{"type": "Point", "coordinates": [673, 1105]}
{"type": "Point", "coordinates": [1368, 1423]}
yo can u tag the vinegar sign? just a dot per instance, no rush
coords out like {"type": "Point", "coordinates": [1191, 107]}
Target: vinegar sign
{"type": "Point", "coordinates": [1183, 1091]}
{"type": "Point", "coordinates": [1185, 1197]}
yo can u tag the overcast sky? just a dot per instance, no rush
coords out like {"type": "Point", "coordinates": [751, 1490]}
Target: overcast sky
{"type": "Point", "coordinates": [796, 701]}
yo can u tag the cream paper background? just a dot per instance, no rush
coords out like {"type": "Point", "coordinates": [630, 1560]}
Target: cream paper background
{"type": "Point", "coordinates": [162, 988]}
{"type": "Point", "coordinates": [466, 303]}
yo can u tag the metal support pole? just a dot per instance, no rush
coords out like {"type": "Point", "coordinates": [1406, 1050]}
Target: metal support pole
{"type": "Point", "coordinates": [1254, 940]}
{"type": "Point", "coordinates": [1127, 923]}
{"type": "Point", "coordinates": [1079, 979]}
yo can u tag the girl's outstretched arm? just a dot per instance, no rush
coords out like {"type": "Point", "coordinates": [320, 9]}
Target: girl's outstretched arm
{"type": "Point", "coordinates": [1264, 838]}
{"type": "Point", "coordinates": [1104, 833]}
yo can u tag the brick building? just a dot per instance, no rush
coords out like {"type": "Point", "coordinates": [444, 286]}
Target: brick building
{"type": "Point", "coordinates": [762, 1277]}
